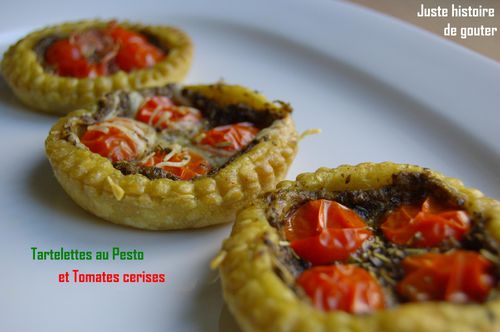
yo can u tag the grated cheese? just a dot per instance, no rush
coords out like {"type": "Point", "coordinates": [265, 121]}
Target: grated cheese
{"type": "Point", "coordinates": [102, 129]}
{"type": "Point", "coordinates": [166, 160]}
{"type": "Point", "coordinates": [218, 259]}
{"type": "Point", "coordinates": [166, 115]}
{"type": "Point", "coordinates": [175, 149]}
{"type": "Point", "coordinates": [182, 163]}
{"type": "Point", "coordinates": [128, 127]}
{"type": "Point", "coordinates": [118, 191]}
{"type": "Point", "coordinates": [308, 132]}
{"type": "Point", "coordinates": [145, 159]}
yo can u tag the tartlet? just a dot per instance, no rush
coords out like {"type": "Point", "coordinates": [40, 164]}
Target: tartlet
{"type": "Point", "coordinates": [148, 193]}
{"type": "Point", "coordinates": [24, 68]}
{"type": "Point", "coordinates": [263, 272]}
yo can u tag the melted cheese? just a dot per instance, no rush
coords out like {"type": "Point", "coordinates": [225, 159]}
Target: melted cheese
{"type": "Point", "coordinates": [219, 151]}
{"type": "Point", "coordinates": [102, 129]}
{"type": "Point", "coordinates": [136, 100]}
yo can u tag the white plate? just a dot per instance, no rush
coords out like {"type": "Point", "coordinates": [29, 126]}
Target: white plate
{"type": "Point", "coordinates": [379, 89]}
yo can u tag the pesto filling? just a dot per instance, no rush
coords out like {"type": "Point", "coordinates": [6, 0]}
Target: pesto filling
{"type": "Point", "coordinates": [126, 104]}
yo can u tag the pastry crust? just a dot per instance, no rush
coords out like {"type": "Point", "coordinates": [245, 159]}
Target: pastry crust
{"type": "Point", "coordinates": [161, 204]}
{"type": "Point", "coordinates": [51, 93]}
{"type": "Point", "coordinates": [261, 301]}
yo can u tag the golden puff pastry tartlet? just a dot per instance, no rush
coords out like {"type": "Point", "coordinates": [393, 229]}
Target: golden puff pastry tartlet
{"type": "Point", "coordinates": [67, 66]}
{"type": "Point", "coordinates": [372, 247]}
{"type": "Point", "coordinates": [173, 157]}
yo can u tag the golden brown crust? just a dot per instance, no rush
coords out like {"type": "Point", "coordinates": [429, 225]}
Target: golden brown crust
{"type": "Point", "coordinates": [260, 301]}
{"type": "Point", "coordinates": [134, 200]}
{"type": "Point", "coordinates": [57, 94]}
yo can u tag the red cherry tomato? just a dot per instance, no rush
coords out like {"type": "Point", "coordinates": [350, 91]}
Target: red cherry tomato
{"type": "Point", "coordinates": [114, 144]}
{"type": "Point", "coordinates": [342, 287]}
{"type": "Point", "coordinates": [135, 51]}
{"type": "Point", "coordinates": [136, 56]}
{"type": "Point", "coordinates": [165, 114]}
{"type": "Point", "coordinates": [459, 276]}
{"type": "Point", "coordinates": [124, 36]}
{"type": "Point", "coordinates": [425, 226]}
{"type": "Point", "coordinates": [68, 55]}
{"type": "Point", "coordinates": [324, 231]}
{"type": "Point", "coordinates": [197, 165]}
{"type": "Point", "coordinates": [68, 60]}
{"type": "Point", "coordinates": [231, 137]}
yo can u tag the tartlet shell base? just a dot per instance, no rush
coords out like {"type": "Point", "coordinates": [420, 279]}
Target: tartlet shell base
{"type": "Point", "coordinates": [51, 93]}
{"type": "Point", "coordinates": [163, 204]}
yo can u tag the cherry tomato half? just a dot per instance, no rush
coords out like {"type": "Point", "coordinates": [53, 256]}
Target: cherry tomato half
{"type": "Point", "coordinates": [425, 226]}
{"type": "Point", "coordinates": [323, 231]}
{"type": "Point", "coordinates": [68, 60]}
{"type": "Point", "coordinates": [197, 165]}
{"type": "Point", "coordinates": [342, 287]}
{"type": "Point", "coordinates": [160, 111]}
{"type": "Point", "coordinates": [232, 137]}
{"type": "Point", "coordinates": [135, 51]}
{"type": "Point", "coordinates": [112, 143]}
{"type": "Point", "coordinates": [459, 276]}
{"type": "Point", "coordinates": [124, 36]}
